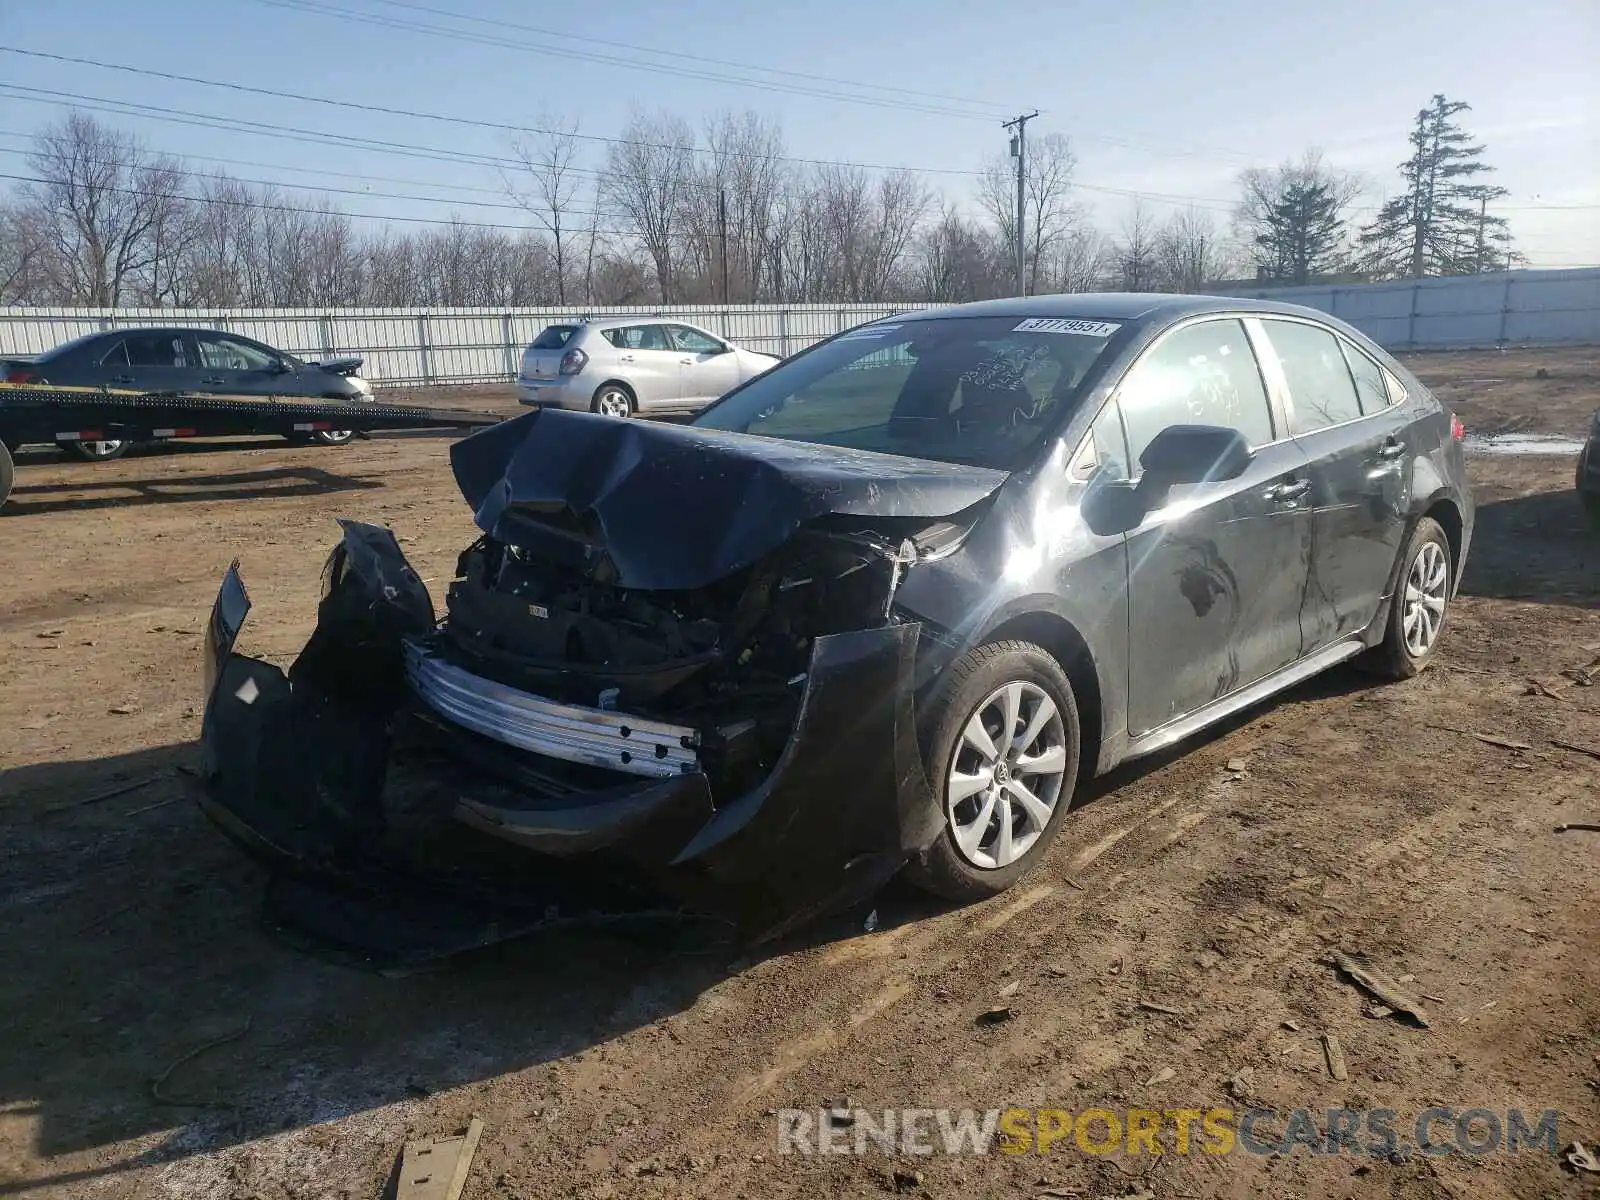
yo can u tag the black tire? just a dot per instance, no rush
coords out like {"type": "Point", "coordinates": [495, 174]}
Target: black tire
{"type": "Point", "coordinates": [614, 399]}
{"type": "Point", "coordinates": [333, 437]}
{"type": "Point", "coordinates": [8, 473]}
{"type": "Point", "coordinates": [946, 869]}
{"type": "Point", "coordinates": [1394, 658]}
{"type": "Point", "coordinates": [98, 451]}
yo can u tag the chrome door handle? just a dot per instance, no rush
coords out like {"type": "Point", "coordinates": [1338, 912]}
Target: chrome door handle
{"type": "Point", "coordinates": [1393, 448]}
{"type": "Point", "coordinates": [218, 382]}
{"type": "Point", "coordinates": [1283, 492]}
{"type": "Point", "coordinates": [688, 362]}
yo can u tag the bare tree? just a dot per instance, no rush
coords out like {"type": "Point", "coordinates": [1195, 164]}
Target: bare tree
{"type": "Point", "coordinates": [649, 172]}
{"type": "Point", "coordinates": [22, 250]}
{"type": "Point", "coordinates": [548, 162]}
{"type": "Point", "coordinates": [1046, 192]}
{"type": "Point", "coordinates": [101, 198]}
{"type": "Point", "coordinates": [1291, 219]}
{"type": "Point", "coordinates": [1080, 260]}
{"type": "Point", "coordinates": [1190, 252]}
{"type": "Point", "coordinates": [957, 260]}
{"type": "Point", "coordinates": [1134, 260]}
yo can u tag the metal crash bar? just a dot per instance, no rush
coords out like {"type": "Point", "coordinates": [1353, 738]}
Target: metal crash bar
{"type": "Point", "coordinates": [597, 737]}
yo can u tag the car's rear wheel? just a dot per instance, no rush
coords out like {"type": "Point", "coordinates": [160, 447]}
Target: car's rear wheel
{"type": "Point", "coordinates": [98, 451]}
{"type": "Point", "coordinates": [613, 400]}
{"type": "Point", "coordinates": [1002, 742]}
{"type": "Point", "coordinates": [7, 472]}
{"type": "Point", "coordinates": [1418, 607]}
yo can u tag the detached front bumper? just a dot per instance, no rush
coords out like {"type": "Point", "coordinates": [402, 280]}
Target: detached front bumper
{"type": "Point", "coordinates": [375, 767]}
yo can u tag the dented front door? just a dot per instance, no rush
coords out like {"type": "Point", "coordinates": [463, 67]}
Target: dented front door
{"type": "Point", "coordinates": [1217, 571]}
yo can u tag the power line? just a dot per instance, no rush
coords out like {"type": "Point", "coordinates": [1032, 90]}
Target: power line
{"type": "Point", "coordinates": [410, 26]}
{"type": "Point", "coordinates": [437, 154]}
{"type": "Point", "coordinates": [471, 122]}
{"type": "Point", "coordinates": [19, 135]}
{"type": "Point", "coordinates": [718, 62]}
{"type": "Point", "coordinates": [339, 191]}
{"type": "Point", "coordinates": [229, 202]}
{"type": "Point", "coordinates": [1146, 145]}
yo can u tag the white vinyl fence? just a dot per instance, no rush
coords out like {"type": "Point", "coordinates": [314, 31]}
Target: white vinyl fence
{"type": "Point", "coordinates": [477, 345]}
{"type": "Point", "coordinates": [431, 346]}
{"type": "Point", "coordinates": [1509, 308]}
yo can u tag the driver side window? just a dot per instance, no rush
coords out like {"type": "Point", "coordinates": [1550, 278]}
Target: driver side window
{"type": "Point", "coordinates": [693, 341]}
{"type": "Point", "coordinates": [1204, 374]}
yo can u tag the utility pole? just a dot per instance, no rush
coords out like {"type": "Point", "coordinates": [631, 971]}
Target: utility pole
{"type": "Point", "coordinates": [722, 227]}
{"type": "Point", "coordinates": [1019, 151]}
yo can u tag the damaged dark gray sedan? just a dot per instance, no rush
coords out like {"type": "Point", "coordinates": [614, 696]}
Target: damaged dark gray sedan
{"type": "Point", "coordinates": [880, 608]}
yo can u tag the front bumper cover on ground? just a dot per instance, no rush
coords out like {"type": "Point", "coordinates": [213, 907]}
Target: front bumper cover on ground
{"type": "Point", "coordinates": [371, 807]}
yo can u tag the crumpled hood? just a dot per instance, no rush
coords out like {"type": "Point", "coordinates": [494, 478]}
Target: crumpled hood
{"type": "Point", "coordinates": [675, 507]}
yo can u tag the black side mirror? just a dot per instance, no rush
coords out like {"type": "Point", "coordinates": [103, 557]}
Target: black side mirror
{"type": "Point", "coordinates": [1195, 454]}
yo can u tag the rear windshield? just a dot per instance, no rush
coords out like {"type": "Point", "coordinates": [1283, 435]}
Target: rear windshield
{"type": "Point", "coordinates": [554, 337]}
{"type": "Point", "coordinates": [979, 390]}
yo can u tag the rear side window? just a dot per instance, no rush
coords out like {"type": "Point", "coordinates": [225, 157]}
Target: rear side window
{"type": "Point", "coordinates": [638, 337]}
{"type": "Point", "coordinates": [1321, 391]}
{"type": "Point", "coordinates": [156, 350]}
{"type": "Point", "coordinates": [117, 356]}
{"type": "Point", "coordinates": [1372, 388]}
{"type": "Point", "coordinates": [554, 337]}
{"type": "Point", "coordinates": [1204, 374]}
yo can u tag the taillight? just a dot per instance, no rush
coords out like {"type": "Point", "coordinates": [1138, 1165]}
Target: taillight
{"type": "Point", "coordinates": [1457, 429]}
{"type": "Point", "coordinates": [572, 362]}
{"type": "Point", "coordinates": [16, 375]}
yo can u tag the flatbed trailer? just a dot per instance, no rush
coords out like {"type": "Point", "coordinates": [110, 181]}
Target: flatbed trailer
{"type": "Point", "coordinates": [36, 414]}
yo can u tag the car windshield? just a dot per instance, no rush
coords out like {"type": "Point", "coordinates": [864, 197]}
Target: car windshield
{"type": "Point", "coordinates": [554, 337]}
{"type": "Point", "coordinates": [978, 390]}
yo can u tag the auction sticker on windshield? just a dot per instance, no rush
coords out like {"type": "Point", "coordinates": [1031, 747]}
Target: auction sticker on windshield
{"type": "Point", "coordinates": [1068, 325]}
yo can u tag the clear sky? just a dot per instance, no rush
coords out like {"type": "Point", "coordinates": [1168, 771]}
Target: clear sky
{"type": "Point", "coordinates": [1163, 98]}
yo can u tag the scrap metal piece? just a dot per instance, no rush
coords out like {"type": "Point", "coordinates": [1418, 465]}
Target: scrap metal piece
{"type": "Point", "coordinates": [437, 1168]}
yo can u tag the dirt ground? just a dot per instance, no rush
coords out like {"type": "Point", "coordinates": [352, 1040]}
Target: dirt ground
{"type": "Point", "coordinates": [649, 1062]}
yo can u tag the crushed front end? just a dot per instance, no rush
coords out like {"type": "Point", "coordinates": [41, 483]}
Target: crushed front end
{"type": "Point", "coordinates": [670, 674]}
{"type": "Point", "coordinates": [745, 749]}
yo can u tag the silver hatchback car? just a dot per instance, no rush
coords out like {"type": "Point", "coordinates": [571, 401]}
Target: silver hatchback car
{"type": "Point", "coordinates": [627, 365]}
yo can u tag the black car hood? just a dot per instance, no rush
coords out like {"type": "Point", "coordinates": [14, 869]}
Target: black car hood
{"type": "Point", "coordinates": [675, 507]}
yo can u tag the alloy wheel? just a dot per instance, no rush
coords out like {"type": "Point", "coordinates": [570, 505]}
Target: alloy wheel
{"type": "Point", "coordinates": [613, 402]}
{"type": "Point", "coordinates": [1427, 585]}
{"type": "Point", "coordinates": [1005, 775]}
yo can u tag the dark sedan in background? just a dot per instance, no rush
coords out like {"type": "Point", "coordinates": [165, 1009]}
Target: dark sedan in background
{"type": "Point", "coordinates": [885, 603]}
{"type": "Point", "coordinates": [205, 361]}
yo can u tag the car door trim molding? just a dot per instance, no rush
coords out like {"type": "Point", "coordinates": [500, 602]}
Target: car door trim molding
{"type": "Point", "coordinates": [1285, 677]}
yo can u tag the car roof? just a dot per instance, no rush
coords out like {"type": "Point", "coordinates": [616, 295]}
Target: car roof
{"type": "Point", "coordinates": [1114, 306]}
{"type": "Point", "coordinates": [617, 322]}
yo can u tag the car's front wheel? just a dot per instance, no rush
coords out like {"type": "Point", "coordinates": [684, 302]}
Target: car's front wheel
{"type": "Point", "coordinates": [1417, 609]}
{"type": "Point", "coordinates": [1002, 742]}
{"type": "Point", "coordinates": [98, 451]}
